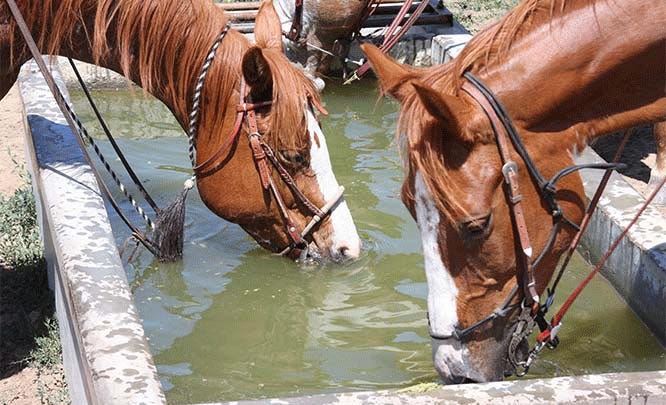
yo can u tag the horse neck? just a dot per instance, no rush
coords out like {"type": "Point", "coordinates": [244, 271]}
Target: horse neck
{"type": "Point", "coordinates": [556, 77]}
{"type": "Point", "coordinates": [169, 66]}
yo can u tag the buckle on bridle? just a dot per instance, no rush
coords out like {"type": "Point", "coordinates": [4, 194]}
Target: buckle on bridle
{"type": "Point", "coordinates": [509, 168]}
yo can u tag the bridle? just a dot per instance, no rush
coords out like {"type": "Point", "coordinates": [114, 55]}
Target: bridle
{"type": "Point", "coordinates": [532, 312]}
{"type": "Point", "coordinates": [264, 159]}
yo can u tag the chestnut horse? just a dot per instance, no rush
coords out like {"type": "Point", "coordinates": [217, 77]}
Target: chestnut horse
{"type": "Point", "coordinates": [162, 46]}
{"type": "Point", "coordinates": [327, 25]}
{"type": "Point", "coordinates": [566, 72]}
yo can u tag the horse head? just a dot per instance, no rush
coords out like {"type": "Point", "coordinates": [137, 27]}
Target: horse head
{"type": "Point", "coordinates": [455, 190]}
{"type": "Point", "coordinates": [277, 175]}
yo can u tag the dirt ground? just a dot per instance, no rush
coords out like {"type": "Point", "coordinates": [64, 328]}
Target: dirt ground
{"type": "Point", "coordinates": [11, 141]}
{"type": "Point", "coordinates": [24, 296]}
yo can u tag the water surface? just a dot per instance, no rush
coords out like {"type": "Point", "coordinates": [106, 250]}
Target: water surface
{"type": "Point", "coordinates": [233, 322]}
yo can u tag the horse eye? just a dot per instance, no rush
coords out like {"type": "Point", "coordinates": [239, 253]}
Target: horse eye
{"type": "Point", "coordinates": [476, 228]}
{"type": "Point", "coordinates": [292, 157]}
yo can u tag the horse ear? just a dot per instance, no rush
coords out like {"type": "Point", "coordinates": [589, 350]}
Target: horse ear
{"type": "Point", "coordinates": [441, 106]}
{"type": "Point", "coordinates": [257, 72]}
{"type": "Point", "coordinates": [267, 27]}
{"type": "Point", "coordinates": [393, 77]}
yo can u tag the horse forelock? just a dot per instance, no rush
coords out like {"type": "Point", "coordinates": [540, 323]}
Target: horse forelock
{"type": "Point", "coordinates": [291, 89]}
{"type": "Point", "coordinates": [424, 150]}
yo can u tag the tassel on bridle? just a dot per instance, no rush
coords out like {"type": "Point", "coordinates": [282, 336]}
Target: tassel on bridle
{"type": "Point", "coordinates": [170, 224]}
{"type": "Point", "coordinates": [170, 227]}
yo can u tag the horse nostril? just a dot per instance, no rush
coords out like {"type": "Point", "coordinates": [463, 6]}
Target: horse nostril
{"type": "Point", "coordinates": [345, 252]}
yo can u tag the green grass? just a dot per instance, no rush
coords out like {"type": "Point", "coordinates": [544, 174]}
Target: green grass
{"type": "Point", "coordinates": [48, 351]}
{"type": "Point", "coordinates": [20, 242]}
{"type": "Point", "coordinates": [28, 330]}
{"type": "Point", "coordinates": [46, 358]}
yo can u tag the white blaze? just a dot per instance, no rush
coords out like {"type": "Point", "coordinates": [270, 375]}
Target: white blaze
{"type": "Point", "coordinates": [344, 230]}
{"type": "Point", "coordinates": [450, 356]}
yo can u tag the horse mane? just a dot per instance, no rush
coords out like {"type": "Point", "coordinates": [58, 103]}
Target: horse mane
{"type": "Point", "coordinates": [492, 44]}
{"type": "Point", "coordinates": [145, 33]}
{"type": "Point", "coordinates": [150, 35]}
{"type": "Point", "coordinates": [291, 90]}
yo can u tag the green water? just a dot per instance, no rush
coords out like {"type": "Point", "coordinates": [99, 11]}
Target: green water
{"type": "Point", "coordinates": [233, 322]}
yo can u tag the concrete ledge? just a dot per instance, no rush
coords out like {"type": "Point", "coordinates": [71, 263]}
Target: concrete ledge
{"type": "Point", "coordinates": [106, 356]}
{"type": "Point", "coordinates": [448, 46]}
{"type": "Point", "coordinates": [637, 268]}
{"type": "Point", "coordinates": [646, 388]}
{"type": "Point", "coordinates": [418, 45]}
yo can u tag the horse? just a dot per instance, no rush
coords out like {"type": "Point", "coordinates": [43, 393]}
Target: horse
{"type": "Point", "coordinates": [250, 92]}
{"type": "Point", "coordinates": [326, 25]}
{"type": "Point", "coordinates": [559, 86]}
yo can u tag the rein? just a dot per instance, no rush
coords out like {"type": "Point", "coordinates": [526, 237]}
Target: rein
{"type": "Point", "coordinates": [532, 312]}
{"type": "Point", "coordinates": [393, 33]}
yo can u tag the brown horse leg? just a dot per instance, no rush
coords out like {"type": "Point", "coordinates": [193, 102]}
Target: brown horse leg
{"type": "Point", "coordinates": [659, 171]}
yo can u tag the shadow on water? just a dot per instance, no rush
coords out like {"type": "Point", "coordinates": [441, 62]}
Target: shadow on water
{"type": "Point", "coordinates": [232, 322]}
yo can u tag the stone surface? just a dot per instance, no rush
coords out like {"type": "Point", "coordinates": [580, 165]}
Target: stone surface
{"type": "Point", "coordinates": [637, 269]}
{"type": "Point", "coordinates": [647, 388]}
{"type": "Point", "coordinates": [106, 356]}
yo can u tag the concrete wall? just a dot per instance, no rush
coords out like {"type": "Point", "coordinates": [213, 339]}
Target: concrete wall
{"type": "Point", "coordinates": [637, 268]}
{"type": "Point", "coordinates": [646, 388]}
{"type": "Point", "coordinates": [106, 356]}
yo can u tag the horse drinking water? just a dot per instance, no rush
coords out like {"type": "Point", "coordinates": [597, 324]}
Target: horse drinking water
{"type": "Point", "coordinates": [256, 114]}
{"type": "Point", "coordinates": [493, 227]}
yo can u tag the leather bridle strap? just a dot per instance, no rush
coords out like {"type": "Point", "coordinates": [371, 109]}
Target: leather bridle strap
{"type": "Point", "coordinates": [289, 181]}
{"type": "Point", "coordinates": [297, 23]}
{"type": "Point", "coordinates": [514, 196]}
{"type": "Point", "coordinates": [260, 159]}
{"type": "Point", "coordinates": [204, 169]}
{"type": "Point", "coordinates": [394, 32]}
{"type": "Point", "coordinates": [263, 155]}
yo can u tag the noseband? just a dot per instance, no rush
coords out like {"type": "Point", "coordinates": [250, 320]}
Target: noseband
{"type": "Point", "coordinates": [263, 157]}
{"type": "Point", "coordinates": [532, 312]}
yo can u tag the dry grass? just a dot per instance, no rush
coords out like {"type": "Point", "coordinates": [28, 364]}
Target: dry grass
{"type": "Point", "coordinates": [477, 14]}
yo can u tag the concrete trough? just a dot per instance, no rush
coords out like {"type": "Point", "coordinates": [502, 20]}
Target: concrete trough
{"type": "Point", "coordinates": [107, 359]}
{"type": "Point", "coordinates": [645, 388]}
{"type": "Point", "coordinates": [106, 355]}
